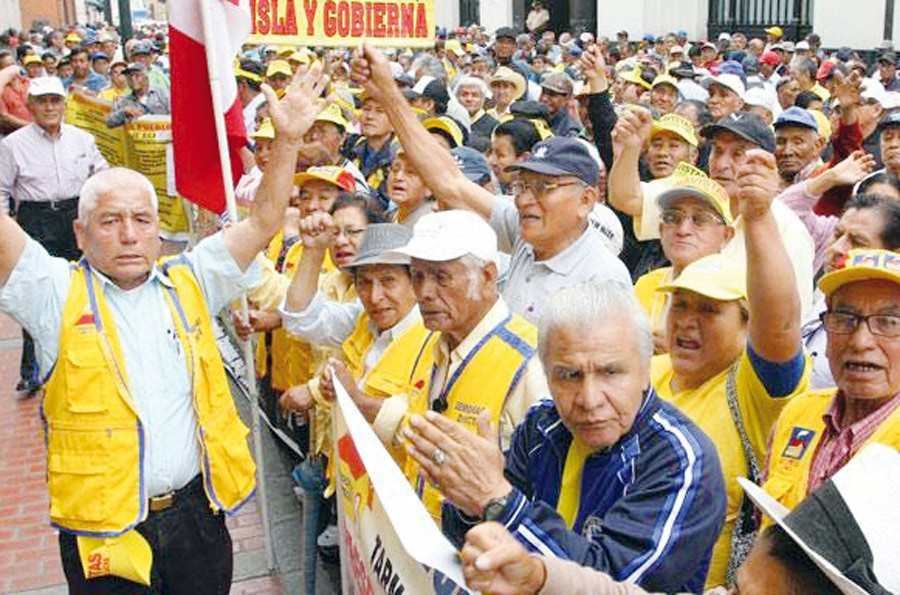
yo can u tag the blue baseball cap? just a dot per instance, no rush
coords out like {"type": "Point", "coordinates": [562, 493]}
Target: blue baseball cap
{"type": "Point", "coordinates": [892, 119]}
{"type": "Point", "coordinates": [681, 33]}
{"type": "Point", "coordinates": [472, 163]}
{"type": "Point", "coordinates": [796, 116]}
{"type": "Point", "coordinates": [561, 156]}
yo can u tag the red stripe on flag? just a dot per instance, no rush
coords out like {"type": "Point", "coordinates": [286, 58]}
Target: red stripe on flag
{"type": "Point", "coordinates": [198, 175]}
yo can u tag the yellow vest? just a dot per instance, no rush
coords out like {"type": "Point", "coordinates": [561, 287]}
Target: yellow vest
{"type": "Point", "coordinates": [484, 380]}
{"type": "Point", "coordinates": [95, 439]}
{"type": "Point", "coordinates": [796, 438]}
{"type": "Point", "coordinates": [293, 361]}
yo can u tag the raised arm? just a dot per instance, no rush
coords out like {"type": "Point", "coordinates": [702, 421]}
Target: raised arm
{"type": "Point", "coordinates": [600, 111]}
{"type": "Point", "coordinates": [774, 327]}
{"type": "Point", "coordinates": [631, 132]}
{"type": "Point", "coordinates": [12, 242]}
{"type": "Point", "coordinates": [434, 164]}
{"type": "Point", "coordinates": [318, 233]}
{"type": "Point", "coordinates": [292, 115]}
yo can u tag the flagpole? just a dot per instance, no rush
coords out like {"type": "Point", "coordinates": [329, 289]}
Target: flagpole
{"type": "Point", "coordinates": [231, 208]}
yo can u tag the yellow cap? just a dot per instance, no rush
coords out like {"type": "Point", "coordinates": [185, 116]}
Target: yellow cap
{"type": "Point", "coordinates": [634, 76]}
{"type": "Point", "coordinates": [301, 57]}
{"type": "Point", "coordinates": [677, 125]}
{"type": "Point", "coordinates": [508, 75]}
{"type": "Point", "coordinates": [445, 124]}
{"type": "Point", "coordinates": [665, 79]}
{"type": "Point", "coordinates": [454, 46]}
{"type": "Point", "coordinates": [72, 36]}
{"type": "Point", "coordinates": [265, 130]}
{"type": "Point", "coordinates": [699, 187]}
{"type": "Point", "coordinates": [32, 59]}
{"type": "Point", "coordinates": [775, 31]}
{"type": "Point", "coordinates": [333, 114]}
{"type": "Point", "coordinates": [327, 173]}
{"type": "Point", "coordinates": [279, 67]}
{"type": "Point", "coordinates": [861, 265]}
{"type": "Point", "coordinates": [241, 73]}
{"type": "Point", "coordinates": [822, 123]}
{"type": "Point", "coordinates": [714, 276]}
{"type": "Point", "coordinates": [286, 50]}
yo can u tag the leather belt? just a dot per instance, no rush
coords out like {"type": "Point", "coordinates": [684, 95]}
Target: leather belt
{"type": "Point", "coordinates": [50, 205]}
{"type": "Point", "coordinates": [169, 499]}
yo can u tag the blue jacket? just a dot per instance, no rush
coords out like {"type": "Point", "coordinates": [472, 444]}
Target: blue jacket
{"type": "Point", "coordinates": [651, 507]}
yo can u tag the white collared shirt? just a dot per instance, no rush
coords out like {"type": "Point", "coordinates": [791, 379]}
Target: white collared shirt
{"type": "Point", "coordinates": [155, 364]}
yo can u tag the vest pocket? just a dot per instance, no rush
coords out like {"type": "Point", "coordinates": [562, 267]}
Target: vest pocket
{"type": "Point", "coordinates": [230, 463]}
{"type": "Point", "coordinates": [77, 484]}
{"type": "Point", "coordinates": [88, 380]}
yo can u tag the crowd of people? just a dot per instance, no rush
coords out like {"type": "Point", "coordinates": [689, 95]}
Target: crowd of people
{"type": "Point", "coordinates": [601, 300]}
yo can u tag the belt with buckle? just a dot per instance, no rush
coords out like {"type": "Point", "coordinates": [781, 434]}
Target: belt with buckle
{"type": "Point", "coordinates": [167, 500]}
{"type": "Point", "coordinates": [52, 205]}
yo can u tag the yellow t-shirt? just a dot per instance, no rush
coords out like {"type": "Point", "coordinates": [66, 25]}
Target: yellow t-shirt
{"type": "Point", "coordinates": [821, 91]}
{"type": "Point", "coordinates": [707, 406]}
{"type": "Point", "coordinates": [654, 302]}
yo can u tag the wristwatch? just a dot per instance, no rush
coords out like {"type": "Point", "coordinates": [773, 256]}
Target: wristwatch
{"type": "Point", "coordinates": [493, 510]}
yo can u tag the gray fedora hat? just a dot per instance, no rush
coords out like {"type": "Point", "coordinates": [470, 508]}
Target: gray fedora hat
{"type": "Point", "coordinates": [380, 241]}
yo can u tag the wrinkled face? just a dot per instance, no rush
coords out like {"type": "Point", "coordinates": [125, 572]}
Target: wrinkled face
{"type": "Point", "coordinates": [261, 152]}
{"type": "Point", "coordinates": [890, 149]}
{"type": "Point", "coordinates": [80, 64]}
{"type": "Point", "coordinates": [868, 113]}
{"type": "Point", "coordinates": [887, 71]}
{"type": "Point", "coordinates": [787, 93]}
{"type": "Point", "coordinates": [504, 48]}
{"type": "Point", "coordinates": [884, 189]}
{"type": "Point", "coordinates": [117, 76]}
{"type": "Point", "coordinates": [404, 185]}
{"type": "Point", "coordinates": [665, 151]}
{"type": "Point", "coordinates": [278, 81]}
{"type": "Point", "coordinates": [764, 114]}
{"type": "Point", "coordinates": [556, 217]}
{"type": "Point", "coordinates": [471, 98]}
{"type": "Point", "coordinates": [597, 378]}
{"type": "Point", "coordinates": [351, 226]}
{"type": "Point", "coordinates": [324, 138]}
{"type": "Point", "coordinates": [501, 156]}
{"type": "Point", "coordinates": [554, 101]}
{"type": "Point", "coordinates": [865, 366]}
{"type": "Point", "coordinates": [386, 292]}
{"type": "Point", "coordinates": [723, 101]}
{"type": "Point", "coordinates": [452, 298]}
{"type": "Point", "coordinates": [701, 232]}
{"type": "Point", "coordinates": [47, 110]}
{"type": "Point", "coordinates": [375, 122]}
{"type": "Point", "coordinates": [480, 69]}
{"type": "Point", "coordinates": [539, 65]}
{"type": "Point", "coordinates": [795, 148]}
{"type": "Point", "coordinates": [137, 79]}
{"type": "Point", "coordinates": [857, 228]}
{"type": "Point", "coordinates": [704, 336]}
{"type": "Point", "coordinates": [317, 196]}
{"type": "Point", "coordinates": [689, 111]}
{"type": "Point", "coordinates": [121, 235]}
{"type": "Point", "coordinates": [632, 92]}
{"type": "Point", "coordinates": [664, 97]}
{"type": "Point", "coordinates": [727, 155]}
{"type": "Point", "coordinates": [504, 93]}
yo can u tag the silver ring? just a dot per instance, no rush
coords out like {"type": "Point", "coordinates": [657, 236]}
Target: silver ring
{"type": "Point", "coordinates": [438, 456]}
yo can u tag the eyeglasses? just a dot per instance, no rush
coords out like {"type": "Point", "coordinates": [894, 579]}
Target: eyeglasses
{"type": "Point", "coordinates": [845, 323]}
{"type": "Point", "coordinates": [701, 219]}
{"type": "Point", "coordinates": [539, 187]}
{"type": "Point", "coordinates": [350, 232]}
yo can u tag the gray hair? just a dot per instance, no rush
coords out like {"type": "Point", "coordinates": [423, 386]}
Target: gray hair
{"type": "Point", "coordinates": [108, 180]}
{"type": "Point", "coordinates": [586, 304]}
{"type": "Point", "coordinates": [431, 63]}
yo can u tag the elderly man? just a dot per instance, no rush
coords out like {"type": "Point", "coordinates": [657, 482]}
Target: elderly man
{"type": "Point", "coordinates": [42, 168]}
{"type": "Point", "coordinates": [726, 93]}
{"type": "Point", "coordinates": [798, 145]}
{"type": "Point", "coordinates": [556, 92]}
{"type": "Point", "coordinates": [820, 431]}
{"type": "Point", "coordinates": [547, 229]}
{"type": "Point", "coordinates": [322, 145]}
{"type": "Point", "coordinates": [143, 52]}
{"type": "Point", "coordinates": [143, 99]}
{"type": "Point", "coordinates": [593, 475]}
{"type": "Point", "coordinates": [142, 464]}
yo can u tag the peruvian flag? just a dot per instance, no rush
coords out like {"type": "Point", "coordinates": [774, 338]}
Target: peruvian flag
{"type": "Point", "coordinates": [198, 173]}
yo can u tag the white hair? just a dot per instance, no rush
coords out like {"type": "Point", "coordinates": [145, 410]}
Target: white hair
{"type": "Point", "coordinates": [108, 180]}
{"type": "Point", "coordinates": [590, 304]}
{"type": "Point", "coordinates": [474, 265]}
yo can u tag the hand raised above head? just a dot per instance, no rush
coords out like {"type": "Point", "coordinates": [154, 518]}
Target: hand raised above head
{"type": "Point", "coordinates": [371, 70]}
{"type": "Point", "coordinates": [293, 115]}
{"type": "Point", "coordinates": [318, 231]}
{"type": "Point", "coordinates": [757, 184]}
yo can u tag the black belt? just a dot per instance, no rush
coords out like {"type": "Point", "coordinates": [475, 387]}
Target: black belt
{"type": "Point", "coordinates": [49, 205]}
{"type": "Point", "coordinates": [170, 499]}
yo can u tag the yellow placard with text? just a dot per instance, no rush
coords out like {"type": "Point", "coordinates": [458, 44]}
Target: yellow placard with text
{"type": "Point", "coordinates": [348, 23]}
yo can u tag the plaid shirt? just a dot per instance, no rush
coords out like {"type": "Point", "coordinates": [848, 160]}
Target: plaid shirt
{"type": "Point", "coordinates": [838, 444]}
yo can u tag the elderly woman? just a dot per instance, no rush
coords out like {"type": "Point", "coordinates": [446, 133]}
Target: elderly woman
{"type": "Point", "coordinates": [472, 92]}
{"type": "Point", "coordinates": [734, 353]}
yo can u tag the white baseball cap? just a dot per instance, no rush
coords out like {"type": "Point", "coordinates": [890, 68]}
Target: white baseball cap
{"type": "Point", "coordinates": [727, 80]}
{"type": "Point", "coordinates": [46, 85]}
{"type": "Point", "coordinates": [448, 235]}
{"type": "Point", "coordinates": [761, 97]}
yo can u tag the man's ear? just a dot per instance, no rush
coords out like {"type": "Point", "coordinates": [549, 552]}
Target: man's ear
{"type": "Point", "coordinates": [79, 227]}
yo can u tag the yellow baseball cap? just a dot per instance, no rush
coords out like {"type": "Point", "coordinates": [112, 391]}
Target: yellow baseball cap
{"type": "Point", "coordinates": [448, 125]}
{"type": "Point", "coordinates": [333, 114]}
{"type": "Point", "coordinates": [241, 73]}
{"type": "Point", "coordinates": [665, 79]}
{"type": "Point", "coordinates": [32, 59]}
{"type": "Point", "coordinates": [713, 276]}
{"type": "Point", "coordinates": [265, 130]}
{"type": "Point", "coordinates": [279, 67]}
{"type": "Point", "coordinates": [634, 76]}
{"type": "Point", "coordinates": [699, 187]}
{"type": "Point", "coordinates": [286, 50]}
{"type": "Point", "coordinates": [74, 37]}
{"type": "Point", "coordinates": [861, 265]}
{"type": "Point", "coordinates": [774, 31]}
{"type": "Point", "coordinates": [301, 57]}
{"type": "Point", "coordinates": [454, 46]}
{"type": "Point", "coordinates": [332, 174]}
{"type": "Point", "coordinates": [677, 125]}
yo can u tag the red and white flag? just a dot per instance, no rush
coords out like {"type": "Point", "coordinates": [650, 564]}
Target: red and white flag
{"type": "Point", "coordinates": [198, 173]}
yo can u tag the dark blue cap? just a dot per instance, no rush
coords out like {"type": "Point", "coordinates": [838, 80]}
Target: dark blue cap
{"type": "Point", "coordinates": [732, 67]}
{"type": "Point", "coordinates": [472, 163]}
{"type": "Point", "coordinates": [892, 119]}
{"type": "Point", "coordinates": [649, 37]}
{"type": "Point", "coordinates": [561, 156]}
{"type": "Point", "coordinates": [796, 116]}
{"type": "Point", "coordinates": [749, 127]}
{"type": "Point", "coordinates": [99, 56]}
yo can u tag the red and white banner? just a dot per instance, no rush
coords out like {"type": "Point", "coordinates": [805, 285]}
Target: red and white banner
{"type": "Point", "coordinates": [198, 173]}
